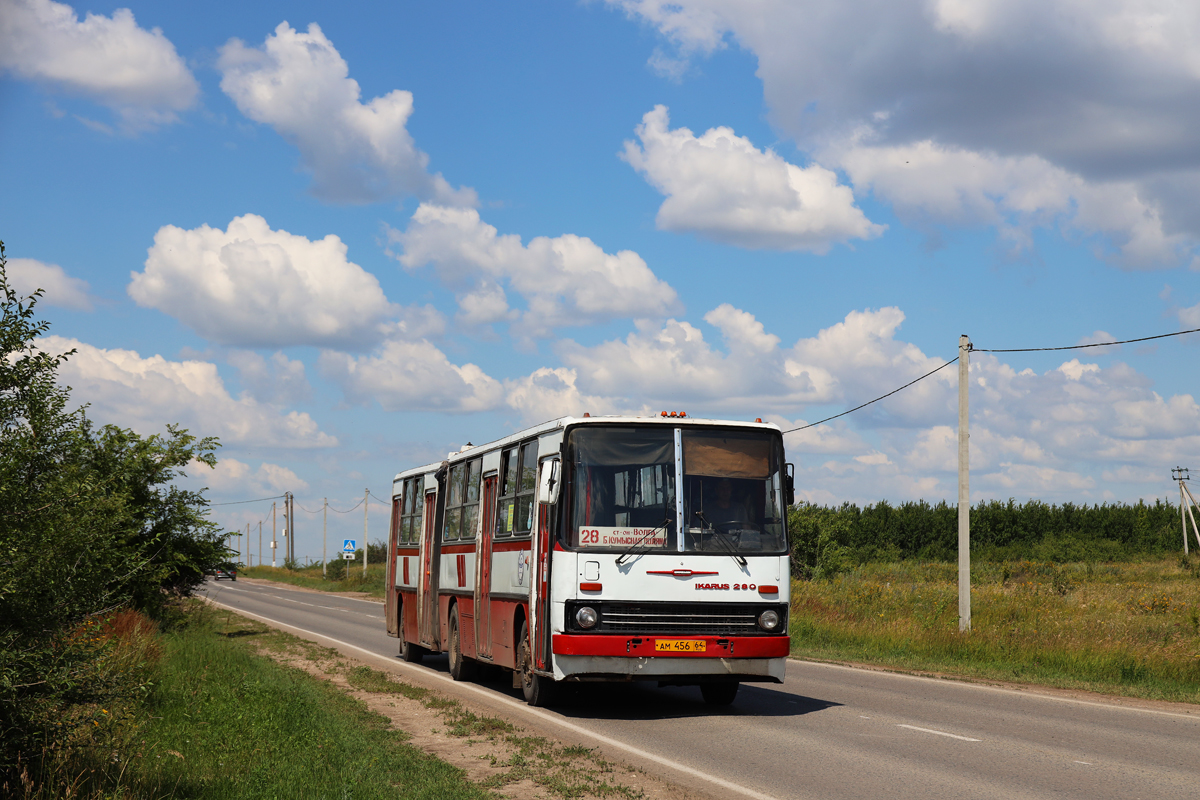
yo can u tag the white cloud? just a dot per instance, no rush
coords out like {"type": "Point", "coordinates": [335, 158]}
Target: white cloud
{"type": "Point", "coordinates": [230, 474]}
{"type": "Point", "coordinates": [1088, 124]}
{"type": "Point", "coordinates": [26, 275]}
{"type": "Point", "coordinates": [280, 380]}
{"type": "Point", "coordinates": [549, 393]}
{"type": "Point", "coordinates": [109, 60]}
{"type": "Point", "coordinates": [925, 181]}
{"type": "Point", "coordinates": [411, 376]}
{"type": "Point", "coordinates": [299, 84]}
{"type": "Point", "coordinates": [722, 187]}
{"type": "Point", "coordinates": [253, 286]}
{"type": "Point", "coordinates": [567, 280]}
{"type": "Point", "coordinates": [146, 394]}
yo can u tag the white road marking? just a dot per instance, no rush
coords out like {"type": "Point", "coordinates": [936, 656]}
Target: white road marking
{"type": "Point", "coordinates": [1085, 763]}
{"type": "Point", "coordinates": [495, 697]}
{"type": "Point", "coordinates": [1030, 693]}
{"type": "Point", "coordinates": [939, 733]}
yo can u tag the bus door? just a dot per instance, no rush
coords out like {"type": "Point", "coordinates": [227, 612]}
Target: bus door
{"type": "Point", "coordinates": [483, 571]}
{"type": "Point", "coordinates": [539, 586]}
{"type": "Point", "coordinates": [390, 592]}
{"type": "Point", "coordinates": [427, 591]}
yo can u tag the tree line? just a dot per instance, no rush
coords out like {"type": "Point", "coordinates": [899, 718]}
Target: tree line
{"type": "Point", "coordinates": [829, 539]}
{"type": "Point", "coordinates": [91, 524]}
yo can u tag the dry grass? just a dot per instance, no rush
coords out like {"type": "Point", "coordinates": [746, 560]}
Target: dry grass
{"type": "Point", "coordinates": [1131, 628]}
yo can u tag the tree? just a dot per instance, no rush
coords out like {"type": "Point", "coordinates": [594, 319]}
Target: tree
{"type": "Point", "coordinates": [90, 522]}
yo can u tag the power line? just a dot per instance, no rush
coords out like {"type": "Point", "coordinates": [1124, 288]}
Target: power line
{"type": "Point", "coordinates": [876, 400]}
{"type": "Point", "coordinates": [331, 508]}
{"type": "Point", "coordinates": [1081, 346]}
{"type": "Point", "coordinates": [385, 502]}
{"type": "Point", "coordinates": [241, 502]}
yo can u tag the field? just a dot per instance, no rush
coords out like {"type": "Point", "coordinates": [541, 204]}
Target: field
{"type": "Point", "coordinates": [1128, 628]}
{"type": "Point", "coordinates": [339, 578]}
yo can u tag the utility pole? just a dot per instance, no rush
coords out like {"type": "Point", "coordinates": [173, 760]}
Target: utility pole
{"type": "Point", "coordinates": [274, 545]}
{"type": "Point", "coordinates": [291, 499]}
{"type": "Point", "coordinates": [964, 488]}
{"type": "Point", "coordinates": [324, 536]}
{"type": "Point", "coordinates": [366, 502]}
{"type": "Point", "coordinates": [1186, 501]}
{"type": "Point", "coordinates": [247, 544]}
{"type": "Point", "coordinates": [287, 524]}
{"type": "Point", "coordinates": [260, 522]}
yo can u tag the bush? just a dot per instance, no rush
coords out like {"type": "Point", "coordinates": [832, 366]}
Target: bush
{"type": "Point", "coordinates": [89, 525]}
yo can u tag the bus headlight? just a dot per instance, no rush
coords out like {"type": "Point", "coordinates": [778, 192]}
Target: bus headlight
{"type": "Point", "coordinates": [586, 617]}
{"type": "Point", "coordinates": [768, 620]}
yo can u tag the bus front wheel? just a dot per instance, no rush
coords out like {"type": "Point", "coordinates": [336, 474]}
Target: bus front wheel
{"type": "Point", "coordinates": [718, 694]}
{"type": "Point", "coordinates": [412, 653]}
{"type": "Point", "coordinates": [538, 689]}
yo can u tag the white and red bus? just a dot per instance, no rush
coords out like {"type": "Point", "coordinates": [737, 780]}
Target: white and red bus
{"type": "Point", "coordinates": [599, 549]}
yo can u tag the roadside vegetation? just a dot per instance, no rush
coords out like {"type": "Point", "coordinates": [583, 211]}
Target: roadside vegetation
{"type": "Point", "coordinates": [1096, 598]}
{"type": "Point", "coordinates": [338, 576]}
{"type": "Point", "coordinates": [96, 544]}
{"type": "Point", "coordinates": [218, 720]}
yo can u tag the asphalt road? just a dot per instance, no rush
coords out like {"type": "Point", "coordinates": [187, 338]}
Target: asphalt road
{"type": "Point", "coordinates": [827, 732]}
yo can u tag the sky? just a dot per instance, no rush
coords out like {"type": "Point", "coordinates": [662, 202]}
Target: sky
{"type": "Point", "coordinates": [348, 242]}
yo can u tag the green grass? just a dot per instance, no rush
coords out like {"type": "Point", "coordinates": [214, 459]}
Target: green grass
{"type": "Point", "coordinates": [1131, 629]}
{"type": "Point", "coordinates": [340, 578]}
{"type": "Point", "coordinates": [225, 723]}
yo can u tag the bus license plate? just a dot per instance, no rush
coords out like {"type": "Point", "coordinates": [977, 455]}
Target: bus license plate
{"type": "Point", "coordinates": [679, 645]}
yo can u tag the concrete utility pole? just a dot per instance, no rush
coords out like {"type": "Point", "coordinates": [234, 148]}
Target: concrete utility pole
{"type": "Point", "coordinates": [366, 502]}
{"type": "Point", "coordinates": [260, 522]}
{"type": "Point", "coordinates": [274, 545]}
{"type": "Point", "coordinates": [247, 544]}
{"type": "Point", "coordinates": [324, 536]}
{"type": "Point", "coordinates": [291, 498]}
{"type": "Point", "coordinates": [964, 488]}
{"type": "Point", "coordinates": [1186, 501]}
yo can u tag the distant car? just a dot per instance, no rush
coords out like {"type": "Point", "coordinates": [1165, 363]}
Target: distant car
{"type": "Point", "coordinates": [228, 571]}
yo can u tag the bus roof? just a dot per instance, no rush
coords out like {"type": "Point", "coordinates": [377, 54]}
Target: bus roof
{"type": "Point", "coordinates": [564, 422]}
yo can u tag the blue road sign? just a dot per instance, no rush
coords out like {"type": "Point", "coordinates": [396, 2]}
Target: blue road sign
{"type": "Point", "coordinates": [348, 546]}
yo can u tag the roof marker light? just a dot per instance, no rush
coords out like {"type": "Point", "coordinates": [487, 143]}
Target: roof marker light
{"type": "Point", "coordinates": [758, 419]}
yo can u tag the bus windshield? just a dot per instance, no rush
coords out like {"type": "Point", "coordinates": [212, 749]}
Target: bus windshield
{"type": "Point", "coordinates": [624, 490]}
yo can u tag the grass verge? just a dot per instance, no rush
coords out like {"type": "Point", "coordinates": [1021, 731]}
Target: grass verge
{"type": "Point", "coordinates": [340, 577]}
{"type": "Point", "coordinates": [1130, 629]}
{"type": "Point", "coordinates": [222, 722]}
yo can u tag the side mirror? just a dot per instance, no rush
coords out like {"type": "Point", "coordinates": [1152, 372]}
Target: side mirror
{"type": "Point", "coordinates": [548, 482]}
{"type": "Point", "coordinates": [789, 485]}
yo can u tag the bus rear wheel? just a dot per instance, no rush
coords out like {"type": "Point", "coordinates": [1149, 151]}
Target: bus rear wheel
{"type": "Point", "coordinates": [719, 694]}
{"type": "Point", "coordinates": [461, 668]}
{"type": "Point", "coordinates": [538, 689]}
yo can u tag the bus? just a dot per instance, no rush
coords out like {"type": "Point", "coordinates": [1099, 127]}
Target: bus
{"type": "Point", "coordinates": [599, 548]}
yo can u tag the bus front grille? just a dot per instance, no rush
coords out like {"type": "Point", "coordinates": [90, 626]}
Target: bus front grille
{"type": "Point", "coordinates": [699, 619]}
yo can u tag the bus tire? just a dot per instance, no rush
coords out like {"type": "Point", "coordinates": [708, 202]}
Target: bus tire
{"type": "Point", "coordinates": [412, 653]}
{"type": "Point", "coordinates": [539, 690]}
{"type": "Point", "coordinates": [719, 694]}
{"type": "Point", "coordinates": [461, 668]}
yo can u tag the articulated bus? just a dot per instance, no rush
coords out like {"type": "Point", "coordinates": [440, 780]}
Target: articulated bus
{"type": "Point", "coordinates": [608, 548]}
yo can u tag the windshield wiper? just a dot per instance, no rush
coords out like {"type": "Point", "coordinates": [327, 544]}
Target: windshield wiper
{"type": "Point", "coordinates": [720, 539]}
{"type": "Point", "coordinates": [621, 558]}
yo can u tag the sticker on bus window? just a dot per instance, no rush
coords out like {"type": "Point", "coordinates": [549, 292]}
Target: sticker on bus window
{"type": "Point", "coordinates": [622, 537]}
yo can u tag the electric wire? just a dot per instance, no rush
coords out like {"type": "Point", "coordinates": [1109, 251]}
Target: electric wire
{"type": "Point", "coordinates": [240, 502]}
{"type": "Point", "coordinates": [331, 508]}
{"type": "Point", "coordinates": [869, 402]}
{"type": "Point", "coordinates": [1079, 346]}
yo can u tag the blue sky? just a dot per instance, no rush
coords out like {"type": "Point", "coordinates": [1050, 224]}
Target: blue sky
{"type": "Point", "coordinates": [348, 242]}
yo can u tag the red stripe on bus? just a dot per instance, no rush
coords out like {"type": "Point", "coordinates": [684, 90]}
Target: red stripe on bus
{"type": "Point", "coordinates": [508, 547]}
{"type": "Point", "coordinates": [462, 570]}
{"type": "Point", "coordinates": [452, 549]}
{"type": "Point", "coordinates": [566, 644]}
{"type": "Point", "coordinates": [406, 580]}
